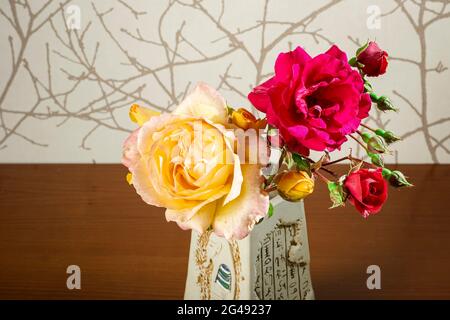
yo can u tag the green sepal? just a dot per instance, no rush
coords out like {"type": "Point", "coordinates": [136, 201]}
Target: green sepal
{"type": "Point", "coordinates": [336, 194]}
{"type": "Point", "coordinates": [385, 104]}
{"type": "Point", "coordinates": [366, 136]}
{"type": "Point", "coordinates": [386, 173]}
{"type": "Point", "coordinates": [398, 180]}
{"type": "Point", "coordinates": [301, 163]}
{"type": "Point", "coordinates": [270, 210]}
{"type": "Point", "coordinates": [362, 48]}
{"type": "Point", "coordinates": [376, 144]}
{"type": "Point", "coordinates": [367, 87]}
{"type": "Point", "coordinates": [376, 159]}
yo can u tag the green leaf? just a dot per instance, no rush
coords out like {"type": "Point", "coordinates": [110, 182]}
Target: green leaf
{"type": "Point", "coordinates": [352, 62]}
{"type": "Point", "coordinates": [302, 163]}
{"type": "Point", "coordinates": [270, 211]}
{"type": "Point", "coordinates": [336, 194]}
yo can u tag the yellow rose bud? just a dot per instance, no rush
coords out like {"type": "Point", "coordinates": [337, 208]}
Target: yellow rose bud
{"type": "Point", "coordinates": [295, 185]}
{"type": "Point", "coordinates": [246, 120]}
{"type": "Point", "coordinates": [141, 115]}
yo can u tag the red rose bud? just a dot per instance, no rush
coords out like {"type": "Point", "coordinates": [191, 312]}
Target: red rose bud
{"type": "Point", "coordinates": [367, 190]}
{"type": "Point", "coordinates": [373, 59]}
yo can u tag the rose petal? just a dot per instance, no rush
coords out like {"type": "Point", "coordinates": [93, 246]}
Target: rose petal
{"type": "Point", "coordinates": [130, 155]}
{"type": "Point", "coordinates": [237, 181]}
{"type": "Point", "coordinates": [204, 102]}
{"type": "Point", "coordinates": [201, 221]}
{"type": "Point", "coordinates": [236, 219]}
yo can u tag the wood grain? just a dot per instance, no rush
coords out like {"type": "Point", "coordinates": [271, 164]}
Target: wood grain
{"type": "Point", "coordinates": [52, 216]}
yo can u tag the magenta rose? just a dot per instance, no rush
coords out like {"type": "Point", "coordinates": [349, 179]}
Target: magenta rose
{"type": "Point", "coordinates": [314, 102]}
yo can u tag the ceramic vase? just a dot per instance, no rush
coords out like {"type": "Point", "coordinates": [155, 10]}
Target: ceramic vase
{"type": "Point", "coordinates": [271, 263]}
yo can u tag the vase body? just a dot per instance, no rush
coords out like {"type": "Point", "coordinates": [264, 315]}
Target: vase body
{"type": "Point", "coordinates": [272, 263]}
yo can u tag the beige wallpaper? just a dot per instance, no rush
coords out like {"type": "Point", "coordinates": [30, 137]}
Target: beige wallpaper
{"type": "Point", "coordinates": [70, 69]}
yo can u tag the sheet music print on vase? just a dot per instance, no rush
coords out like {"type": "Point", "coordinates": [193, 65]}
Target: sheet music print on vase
{"type": "Point", "coordinates": [239, 181]}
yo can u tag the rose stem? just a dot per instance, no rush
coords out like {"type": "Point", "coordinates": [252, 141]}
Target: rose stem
{"type": "Point", "coordinates": [359, 142]}
{"type": "Point", "coordinates": [336, 161]}
{"type": "Point", "coordinates": [329, 172]}
{"type": "Point", "coordinates": [273, 188]}
{"type": "Point", "coordinates": [282, 156]}
{"type": "Point", "coordinates": [367, 127]}
{"type": "Point", "coordinates": [322, 177]}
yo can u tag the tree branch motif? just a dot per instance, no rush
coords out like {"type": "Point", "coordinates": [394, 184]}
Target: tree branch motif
{"type": "Point", "coordinates": [75, 60]}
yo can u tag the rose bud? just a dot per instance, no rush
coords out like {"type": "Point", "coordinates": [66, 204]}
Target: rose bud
{"type": "Point", "coordinates": [376, 159]}
{"type": "Point", "coordinates": [246, 120]}
{"type": "Point", "coordinates": [384, 104]}
{"type": "Point", "coordinates": [376, 144]}
{"type": "Point", "coordinates": [295, 185]}
{"type": "Point", "coordinates": [367, 190]}
{"type": "Point", "coordinates": [397, 179]}
{"type": "Point", "coordinates": [388, 136]}
{"type": "Point", "coordinates": [374, 60]}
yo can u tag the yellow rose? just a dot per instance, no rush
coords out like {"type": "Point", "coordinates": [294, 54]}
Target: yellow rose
{"type": "Point", "coordinates": [186, 162]}
{"type": "Point", "coordinates": [295, 185]}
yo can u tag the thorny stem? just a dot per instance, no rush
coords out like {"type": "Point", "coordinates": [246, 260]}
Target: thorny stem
{"type": "Point", "coordinates": [322, 177]}
{"type": "Point", "coordinates": [367, 127]}
{"type": "Point", "coordinates": [338, 160]}
{"type": "Point", "coordinates": [359, 142]}
{"type": "Point", "coordinates": [329, 172]}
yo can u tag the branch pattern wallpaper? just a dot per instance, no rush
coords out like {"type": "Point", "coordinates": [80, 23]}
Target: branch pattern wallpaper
{"type": "Point", "coordinates": [70, 69]}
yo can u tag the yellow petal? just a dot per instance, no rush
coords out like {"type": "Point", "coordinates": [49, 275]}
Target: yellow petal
{"type": "Point", "coordinates": [129, 178]}
{"type": "Point", "coordinates": [294, 186]}
{"type": "Point", "coordinates": [141, 115]}
{"type": "Point", "coordinates": [204, 102]}
{"type": "Point", "coordinates": [237, 218]}
{"type": "Point", "coordinates": [202, 220]}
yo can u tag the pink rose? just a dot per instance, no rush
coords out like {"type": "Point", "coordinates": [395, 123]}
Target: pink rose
{"type": "Point", "coordinates": [314, 102]}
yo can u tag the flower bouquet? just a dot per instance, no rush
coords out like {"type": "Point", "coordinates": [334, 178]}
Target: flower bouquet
{"type": "Point", "coordinates": [225, 173]}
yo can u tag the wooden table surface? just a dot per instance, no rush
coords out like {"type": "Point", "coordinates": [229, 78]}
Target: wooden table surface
{"type": "Point", "coordinates": [53, 216]}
